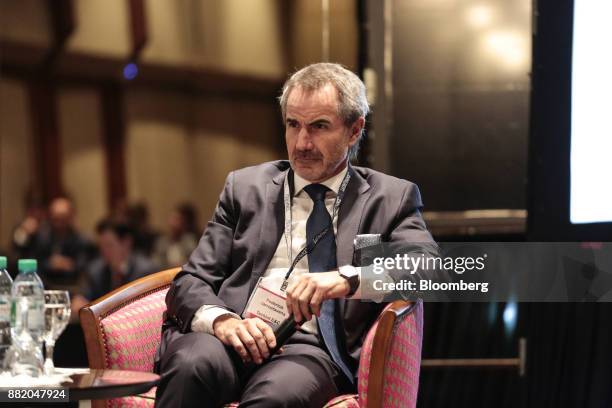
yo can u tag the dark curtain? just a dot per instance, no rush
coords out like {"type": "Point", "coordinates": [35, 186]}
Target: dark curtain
{"type": "Point", "coordinates": [569, 362]}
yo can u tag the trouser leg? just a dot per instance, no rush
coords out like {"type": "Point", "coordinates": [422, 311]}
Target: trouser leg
{"type": "Point", "coordinates": [197, 370]}
{"type": "Point", "coordinates": [304, 375]}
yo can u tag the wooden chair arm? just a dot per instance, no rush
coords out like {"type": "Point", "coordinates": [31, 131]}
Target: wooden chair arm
{"type": "Point", "coordinates": [380, 349]}
{"type": "Point", "coordinates": [91, 314]}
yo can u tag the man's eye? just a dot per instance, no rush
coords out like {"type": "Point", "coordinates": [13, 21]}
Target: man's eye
{"type": "Point", "coordinates": [292, 124]}
{"type": "Point", "coordinates": [320, 126]}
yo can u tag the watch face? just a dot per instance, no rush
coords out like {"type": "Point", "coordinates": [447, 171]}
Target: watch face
{"type": "Point", "coordinates": [348, 272]}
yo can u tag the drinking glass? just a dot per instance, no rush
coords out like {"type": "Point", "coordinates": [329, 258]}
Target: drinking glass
{"type": "Point", "coordinates": [57, 315]}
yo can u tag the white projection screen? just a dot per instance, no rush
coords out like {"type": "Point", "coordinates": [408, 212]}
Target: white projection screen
{"type": "Point", "coordinates": [591, 117]}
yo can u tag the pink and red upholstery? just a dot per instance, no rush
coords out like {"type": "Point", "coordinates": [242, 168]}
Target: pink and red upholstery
{"type": "Point", "coordinates": [131, 333]}
{"type": "Point", "coordinates": [122, 331]}
{"type": "Point", "coordinates": [400, 359]}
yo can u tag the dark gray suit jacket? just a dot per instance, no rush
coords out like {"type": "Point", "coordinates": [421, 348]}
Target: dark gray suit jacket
{"type": "Point", "coordinates": [246, 228]}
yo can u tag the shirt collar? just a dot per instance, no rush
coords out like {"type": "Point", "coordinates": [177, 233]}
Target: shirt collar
{"type": "Point", "coordinates": [333, 183]}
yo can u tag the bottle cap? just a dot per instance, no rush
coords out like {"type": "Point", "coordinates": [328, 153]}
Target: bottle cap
{"type": "Point", "coordinates": [2, 262]}
{"type": "Point", "coordinates": [27, 265]}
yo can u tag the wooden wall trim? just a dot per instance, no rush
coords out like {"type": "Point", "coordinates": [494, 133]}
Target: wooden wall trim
{"type": "Point", "coordinates": [363, 34]}
{"type": "Point", "coordinates": [45, 131]}
{"type": "Point", "coordinates": [476, 222]}
{"type": "Point", "coordinates": [23, 61]}
{"type": "Point", "coordinates": [138, 27]}
{"type": "Point", "coordinates": [113, 123]}
{"type": "Point", "coordinates": [61, 13]}
{"type": "Point", "coordinates": [62, 20]}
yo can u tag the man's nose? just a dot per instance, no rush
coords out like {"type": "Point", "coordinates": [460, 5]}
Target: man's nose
{"type": "Point", "coordinates": [304, 141]}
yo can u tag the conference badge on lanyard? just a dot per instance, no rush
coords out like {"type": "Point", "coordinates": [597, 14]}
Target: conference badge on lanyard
{"type": "Point", "coordinates": [267, 301]}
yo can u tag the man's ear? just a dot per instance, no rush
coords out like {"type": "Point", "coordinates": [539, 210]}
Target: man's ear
{"type": "Point", "coordinates": [356, 129]}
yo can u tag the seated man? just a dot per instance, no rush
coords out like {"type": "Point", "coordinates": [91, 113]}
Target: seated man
{"type": "Point", "coordinates": [214, 348]}
{"type": "Point", "coordinates": [62, 251]}
{"type": "Point", "coordinates": [118, 264]}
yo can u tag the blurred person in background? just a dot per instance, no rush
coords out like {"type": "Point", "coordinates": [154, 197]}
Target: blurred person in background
{"type": "Point", "coordinates": [144, 236]}
{"type": "Point", "coordinates": [118, 263]}
{"type": "Point", "coordinates": [174, 248]}
{"type": "Point", "coordinates": [61, 250]}
{"type": "Point", "coordinates": [24, 235]}
{"type": "Point", "coordinates": [120, 210]}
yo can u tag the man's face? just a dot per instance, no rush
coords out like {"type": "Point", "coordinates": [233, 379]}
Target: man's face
{"type": "Point", "coordinates": [317, 139]}
{"type": "Point", "coordinates": [61, 214]}
{"type": "Point", "coordinates": [113, 249]}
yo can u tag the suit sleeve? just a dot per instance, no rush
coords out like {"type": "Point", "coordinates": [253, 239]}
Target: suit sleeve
{"type": "Point", "coordinates": [198, 282]}
{"type": "Point", "coordinates": [408, 225]}
{"type": "Point", "coordinates": [410, 236]}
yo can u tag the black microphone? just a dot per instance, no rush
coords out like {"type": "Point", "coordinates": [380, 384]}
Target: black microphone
{"type": "Point", "coordinates": [282, 333]}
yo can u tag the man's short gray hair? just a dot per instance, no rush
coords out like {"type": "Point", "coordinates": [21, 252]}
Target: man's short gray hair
{"type": "Point", "coordinates": [352, 100]}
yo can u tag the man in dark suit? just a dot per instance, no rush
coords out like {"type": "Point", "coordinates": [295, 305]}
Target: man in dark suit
{"type": "Point", "coordinates": [211, 351]}
{"type": "Point", "coordinates": [118, 264]}
{"type": "Point", "coordinates": [63, 252]}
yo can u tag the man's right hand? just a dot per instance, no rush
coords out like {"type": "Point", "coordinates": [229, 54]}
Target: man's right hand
{"type": "Point", "coordinates": [251, 338]}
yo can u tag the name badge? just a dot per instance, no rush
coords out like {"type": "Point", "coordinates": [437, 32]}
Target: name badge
{"type": "Point", "coordinates": [268, 301]}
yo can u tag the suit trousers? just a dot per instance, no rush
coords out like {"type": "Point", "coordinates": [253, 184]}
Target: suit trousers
{"type": "Point", "coordinates": [197, 370]}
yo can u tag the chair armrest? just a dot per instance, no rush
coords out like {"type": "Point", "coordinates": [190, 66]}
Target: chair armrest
{"type": "Point", "coordinates": [131, 291]}
{"type": "Point", "coordinates": [381, 346]}
{"type": "Point", "coordinates": [91, 315]}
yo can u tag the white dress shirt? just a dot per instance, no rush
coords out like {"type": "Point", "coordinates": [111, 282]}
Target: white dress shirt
{"type": "Point", "coordinates": [301, 207]}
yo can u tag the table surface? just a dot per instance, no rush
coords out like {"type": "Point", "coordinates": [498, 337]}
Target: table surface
{"type": "Point", "coordinates": [103, 384]}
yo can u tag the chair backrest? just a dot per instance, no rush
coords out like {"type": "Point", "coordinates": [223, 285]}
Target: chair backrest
{"type": "Point", "coordinates": [132, 313]}
{"type": "Point", "coordinates": [390, 358]}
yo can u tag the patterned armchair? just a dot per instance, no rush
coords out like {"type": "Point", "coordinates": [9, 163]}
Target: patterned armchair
{"type": "Point", "coordinates": [122, 331]}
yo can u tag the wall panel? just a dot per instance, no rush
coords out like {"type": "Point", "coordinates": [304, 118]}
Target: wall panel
{"type": "Point", "coordinates": [16, 155]}
{"type": "Point", "coordinates": [219, 34]}
{"type": "Point", "coordinates": [181, 147]}
{"type": "Point", "coordinates": [305, 27]}
{"type": "Point", "coordinates": [25, 21]}
{"type": "Point", "coordinates": [157, 151]}
{"type": "Point", "coordinates": [231, 135]}
{"type": "Point", "coordinates": [83, 168]}
{"type": "Point", "coordinates": [101, 28]}
{"type": "Point", "coordinates": [459, 100]}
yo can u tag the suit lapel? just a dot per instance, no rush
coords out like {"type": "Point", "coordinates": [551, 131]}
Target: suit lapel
{"type": "Point", "coordinates": [271, 227]}
{"type": "Point", "coordinates": [349, 217]}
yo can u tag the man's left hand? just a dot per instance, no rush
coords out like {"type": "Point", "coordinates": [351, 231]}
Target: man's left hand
{"type": "Point", "coordinates": [305, 295]}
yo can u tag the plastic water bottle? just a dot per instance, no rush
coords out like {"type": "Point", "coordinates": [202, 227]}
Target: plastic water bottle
{"type": "Point", "coordinates": [5, 310]}
{"type": "Point", "coordinates": [27, 319]}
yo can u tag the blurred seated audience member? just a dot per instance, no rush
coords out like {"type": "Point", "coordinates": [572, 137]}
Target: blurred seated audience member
{"type": "Point", "coordinates": [144, 235]}
{"type": "Point", "coordinates": [24, 235]}
{"type": "Point", "coordinates": [118, 264]}
{"type": "Point", "coordinates": [119, 209]}
{"type": "Point", "coordinates": [61, 250]}
{"type": "Point", "coordinates": [175, 248]}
